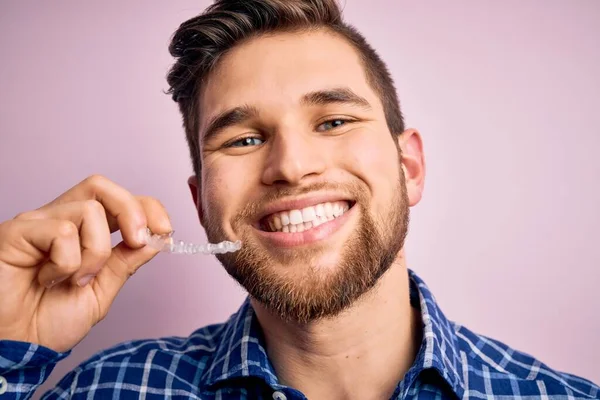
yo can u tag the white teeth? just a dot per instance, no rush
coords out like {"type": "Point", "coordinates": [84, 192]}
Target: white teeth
{"type": "Point", "coordinates": [295, 217]}
{"type": "Point", "coordinates": [307, 218]}
{"type": "Point", "coordinates": [277, 222]}
{"type": "Point", "coordinates": [308, 214]}
{"type": "Point", "coordinates": [337, 210]}
{"type": "Point", "coordinates": [328, 210]}
{"type": "Point", "coordinates": [319, 210]}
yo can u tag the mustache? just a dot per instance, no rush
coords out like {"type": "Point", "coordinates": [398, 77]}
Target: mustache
{"type": "Point", "coordinates": [353, 190]}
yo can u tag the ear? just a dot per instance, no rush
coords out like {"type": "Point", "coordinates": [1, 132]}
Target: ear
{"type": "Point", "coordinates": [413, 164]}
{"type": "Point", "coordinates": [195, 187]}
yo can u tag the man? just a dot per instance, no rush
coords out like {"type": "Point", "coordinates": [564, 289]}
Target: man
{"type": "Point", "coordinates": [300, 151]}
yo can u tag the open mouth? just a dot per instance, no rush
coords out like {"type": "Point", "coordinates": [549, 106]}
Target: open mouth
{"type": "Point", "coordinates": [294, 221]}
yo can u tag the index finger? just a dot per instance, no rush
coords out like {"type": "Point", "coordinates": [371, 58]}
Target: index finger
{"type": "Point", "coordinates": [124, 212]}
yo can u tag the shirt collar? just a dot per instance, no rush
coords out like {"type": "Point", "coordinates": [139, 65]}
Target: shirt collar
{"type": "Point", "coordinates": [439, 347]}
{"type": "Point", "coordinates": [240, 349]}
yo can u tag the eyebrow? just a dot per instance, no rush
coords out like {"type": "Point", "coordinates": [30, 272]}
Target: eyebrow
{"type": "Point", "coordinates": [241, 114]}
{"type": "Point", "coordinates": [231, 117]}
{"type": "Point", "coordinates": [340, 95]}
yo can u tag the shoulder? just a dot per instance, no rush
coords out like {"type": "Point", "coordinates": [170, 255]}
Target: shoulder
{"type": "Point", "coordinates": [201, 343]}
{"type": "Point", "coordinates": [178, 363]}
{"type": "Point", "coordinates": [492, 367]}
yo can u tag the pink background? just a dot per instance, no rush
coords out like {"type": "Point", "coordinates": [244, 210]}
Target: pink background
{"type": "Point", "coordinates": [506, 95]}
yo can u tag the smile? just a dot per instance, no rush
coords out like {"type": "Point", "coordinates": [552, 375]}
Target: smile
{"type": "Point", "coordinates": [300, 220]}
{"type": "Point", "coordinates": [297, 222]}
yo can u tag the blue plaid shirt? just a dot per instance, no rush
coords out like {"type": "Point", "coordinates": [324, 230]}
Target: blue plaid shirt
{"type": "Point", "coordinates": [229, 361]}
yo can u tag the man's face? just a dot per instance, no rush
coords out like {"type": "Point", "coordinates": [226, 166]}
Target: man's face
{"type": "Point", "coordinates": [298, 163]}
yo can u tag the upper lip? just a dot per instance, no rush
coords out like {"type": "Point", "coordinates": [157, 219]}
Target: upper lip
{"type": "Point", "coordinates": [298, 203]}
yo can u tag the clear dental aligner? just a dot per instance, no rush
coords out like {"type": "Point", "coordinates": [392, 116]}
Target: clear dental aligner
{"type": "Point", "coordinates": [166, 243]}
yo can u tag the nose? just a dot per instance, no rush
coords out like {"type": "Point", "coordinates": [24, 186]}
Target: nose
{"type": "Point", "coordinates": [292, 159]}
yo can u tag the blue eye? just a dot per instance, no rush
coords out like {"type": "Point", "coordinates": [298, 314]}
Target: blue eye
{"type": "Point", "coordinates": [246, 142]}
{"type": "Point", "coordinates": [331, 124]}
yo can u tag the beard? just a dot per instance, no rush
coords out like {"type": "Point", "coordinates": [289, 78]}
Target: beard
{"type": "Point", "coordinates": [291, 284]}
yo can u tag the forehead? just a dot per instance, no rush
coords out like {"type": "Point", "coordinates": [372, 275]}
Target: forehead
{"type": "Point", "coordinates": [274, 71]}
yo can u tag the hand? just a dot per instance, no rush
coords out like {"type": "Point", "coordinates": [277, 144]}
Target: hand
{"type": "Point", "coordinates": [58, 272]}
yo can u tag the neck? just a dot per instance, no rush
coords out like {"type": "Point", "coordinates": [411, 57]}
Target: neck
{"type": "Point", "coordinates": [360, 354]}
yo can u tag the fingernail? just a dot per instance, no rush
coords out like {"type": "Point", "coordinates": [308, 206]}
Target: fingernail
{"type": "Point", "coordinates": [142, 235]}
{"type": "Point", "coordinates": [84, 280]}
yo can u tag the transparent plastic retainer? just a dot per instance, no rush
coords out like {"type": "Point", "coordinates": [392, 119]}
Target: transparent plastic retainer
{"type": "Point", "coordinates": [166, 243]}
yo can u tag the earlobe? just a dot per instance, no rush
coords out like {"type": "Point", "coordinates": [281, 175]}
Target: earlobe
{"type": "Point", "coordinates": [413, 164]}
{"type": "Point", "coordinates": [195, 185]}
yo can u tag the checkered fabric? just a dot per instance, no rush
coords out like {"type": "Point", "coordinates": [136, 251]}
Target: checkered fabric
{"type": "Point", "coordinates": [229, 361]}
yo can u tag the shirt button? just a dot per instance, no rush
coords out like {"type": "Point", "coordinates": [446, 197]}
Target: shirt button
{"type": "Point", "coordinates": [3, 385]}
{"type": "Point", "coordinates": [279, 396]}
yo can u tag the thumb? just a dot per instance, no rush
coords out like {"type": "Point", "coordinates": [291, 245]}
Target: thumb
{"type": "Point", "coordinates": [120, 266]}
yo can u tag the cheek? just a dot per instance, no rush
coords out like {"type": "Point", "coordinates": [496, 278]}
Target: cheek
{"type": "Point", "coordinates": [373, 157]}
{"type": "Point", "coordinates": [226, 187]}
{"type": "Point", "coordinates": [217, 186]}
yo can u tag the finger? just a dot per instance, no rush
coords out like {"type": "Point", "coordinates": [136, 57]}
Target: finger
{"type": "Point", "coordinates": [64, 257]}
{"type": "Point", "coordinates": [90, 218]}
{"type": "Point", "coordinates": [121, 265]}
{"type": "Point", "coordinates": [156, 215]}
{"type": "Point", "coordinates": [94, 236]}
{"type": "Point", "coordinates": [123, 210]}
{"type": "Point", "coordinates": [27, 243]}
{"type": "Point", "coordinates": [124, 261]}
{"type": "Point", "coordinates": [158, 222]}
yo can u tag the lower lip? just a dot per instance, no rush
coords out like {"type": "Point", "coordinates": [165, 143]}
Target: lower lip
{"type": "Point", "coordinates": [312, 235]}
